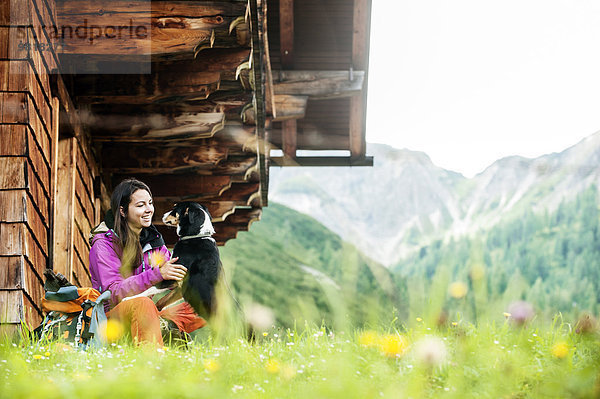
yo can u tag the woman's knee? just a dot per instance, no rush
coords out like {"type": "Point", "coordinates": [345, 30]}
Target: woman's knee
{"type": "Point", "coordinates": [143, 304]}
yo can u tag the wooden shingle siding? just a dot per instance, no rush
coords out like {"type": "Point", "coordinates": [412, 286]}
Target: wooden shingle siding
{"type": "Point", "coordinates": [18, 274]}
{"type": "Point", "coordinates": [27, 123]}
{"type": "Point", "coordinates": [17, 240]}
{"type": "Point", "coordinates": [18, 208]}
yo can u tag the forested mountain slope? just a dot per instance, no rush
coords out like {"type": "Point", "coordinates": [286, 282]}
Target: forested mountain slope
{"type": "Point", "coordinates": [294, 265]}
{"type": "Point", "coordinates": [549, 259]}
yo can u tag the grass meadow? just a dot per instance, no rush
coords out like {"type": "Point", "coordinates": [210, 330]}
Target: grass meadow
{"type": "Point", "coordinates": [453, 360]}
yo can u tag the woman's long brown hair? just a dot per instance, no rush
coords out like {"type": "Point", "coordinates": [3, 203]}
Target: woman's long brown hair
{"type": "Point", "coordinates": [127, 240]}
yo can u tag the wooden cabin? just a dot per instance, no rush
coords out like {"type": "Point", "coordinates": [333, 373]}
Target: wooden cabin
{"type": "Point", "coordinates": [192, 97]}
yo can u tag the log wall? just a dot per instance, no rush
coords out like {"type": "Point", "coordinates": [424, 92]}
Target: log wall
{"type": "Point", "coordinates": [29, 157]}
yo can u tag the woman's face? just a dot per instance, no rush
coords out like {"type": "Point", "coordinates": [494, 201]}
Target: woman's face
{"type": "Point", "coordinates": [140, 211]}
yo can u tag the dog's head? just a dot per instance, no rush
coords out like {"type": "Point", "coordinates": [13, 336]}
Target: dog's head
{"type": "Point", "coordinates": [190, 218]}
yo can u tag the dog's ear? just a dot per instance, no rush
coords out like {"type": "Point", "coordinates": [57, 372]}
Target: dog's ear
{"type": "Point", "coordinates": [205, 209]}
{"type": "Point", "coordinates": [195, 215]}
{"type": "Point", "coordinates": [188, 215]}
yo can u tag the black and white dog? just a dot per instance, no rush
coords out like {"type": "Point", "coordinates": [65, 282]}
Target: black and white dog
{"type": "Point", "coordinates": [197, 251]}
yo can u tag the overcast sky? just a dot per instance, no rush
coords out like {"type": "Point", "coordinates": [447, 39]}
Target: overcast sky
{"type": "Point", "coordinates": [471, 81]}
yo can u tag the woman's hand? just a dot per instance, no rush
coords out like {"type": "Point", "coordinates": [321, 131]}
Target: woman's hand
{"type": "Point", "coordinates": [172, 271]}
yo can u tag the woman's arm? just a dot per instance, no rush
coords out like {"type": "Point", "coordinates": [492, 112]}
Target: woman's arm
{"type": "Point", "coordinates": [105, 265]}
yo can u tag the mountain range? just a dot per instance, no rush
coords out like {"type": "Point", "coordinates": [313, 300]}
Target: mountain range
{"type": "Point", "coordinates": [405, 202]}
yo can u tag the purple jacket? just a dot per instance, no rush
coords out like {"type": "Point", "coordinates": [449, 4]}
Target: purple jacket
{"type": "Point", "coordinates": [105, 264]}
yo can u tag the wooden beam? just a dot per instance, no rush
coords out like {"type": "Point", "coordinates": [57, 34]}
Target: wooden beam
{"type": "Point", "coordinates": [141, 27]}
{"type": "Point", "coordinates": [243, 216]}
{"type": "Point", "coordinates": [360, 57]}
{"type": "Point", "coordinates": [144, 158]}
{"type": "Point", "coordinates": [156, 127]}
{"type": "Point", "coordinates": [234, 166]}
{"type": "Point", "coordinates": [182, 187]}
{"type": "Point", "coordinates": [290, 107]}
{"type": "Point", "coordinates": [97, 64]}
{"type": "Point", "coordinates": [360, 34]}
{"type": "Point", "coordinates": [212, 60]}
{"type": "Point", "coordinates": [238, 192]}
{"type": "Point", "coordinates": [219, 210]}
{"type": "Point", "coordinates": [322, 161]}
{"type": "Point", "coordinates": [225, 233]}
{"type": "Point", "coordinates": [269, 92]}
{"type": "Point", "coordinates": [235, 134]}
{"type": "Point", "coordinates": [286, 33]}
{"type": "Point", "coordinates": [230, 103]}
{"type": "Point", "coordinates": [258, 71]}
{"type": "Point", "coordinates": [318, 84]}
{"type": "Point", "coordinates": [289, 138]}
{"type": "Point", "coordinates": [170, 10]}
{"type": "Point", "coordinates": [159, 87]}
{"type": "Point", "coordinates": [357, 127]}
{"type": "Point", "coordinates": [205, 158]}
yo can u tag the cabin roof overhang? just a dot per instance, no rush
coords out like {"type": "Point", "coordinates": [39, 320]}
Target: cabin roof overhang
{"type": "Point", "coordinates": [193, 96]}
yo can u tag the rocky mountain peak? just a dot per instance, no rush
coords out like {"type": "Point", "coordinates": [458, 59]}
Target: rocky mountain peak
{"type": "Point", "coordinates": [405, 201]}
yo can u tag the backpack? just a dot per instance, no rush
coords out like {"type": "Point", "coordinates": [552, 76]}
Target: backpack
{"type": "Point", "coordinates": [73, 314]}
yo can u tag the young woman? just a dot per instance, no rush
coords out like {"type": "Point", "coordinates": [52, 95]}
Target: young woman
{"type": "Point", "coordinates": [128, 256]}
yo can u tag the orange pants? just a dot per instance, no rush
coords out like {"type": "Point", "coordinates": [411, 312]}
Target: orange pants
{"type": "Point", "coordinates": [141, 316]}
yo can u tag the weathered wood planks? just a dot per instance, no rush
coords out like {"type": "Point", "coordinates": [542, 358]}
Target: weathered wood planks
{"type": "Point", "coordinates": [142, 27]}
{"type": "Point", "coordinates": [161, 159]}
{"type": "Point", "coordinates": [158, 127]}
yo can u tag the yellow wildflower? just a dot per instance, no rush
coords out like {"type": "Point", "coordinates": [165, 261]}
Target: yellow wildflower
{"type": "Point", "coordinates": [507, 315]}
{"type": "Point", "coordinates": [47, 354]}
{"type": "Point", "coordinates": [454, 323]}
{"type": "Point", "coordinates": [157, 259]}
{"type": "Point", "coordinates": [392, 345]}
{"type": "Point", "coordinates": [273, 366]}
{"type": "Point", "coordinates": [38, 357]}
{"type": "Point", "coordinates": [211, 365]}
{"type": "Point", "coordinates": [368, 339]}
{"type": "Point", "coordinates": [419, 319]}
{"type": "Point", "coordinates": [560, 350]}
{"type": "Point", "coordinates": [265, 334]}
{"type": "Point", "coordinates": [113, 330]}
{"type": "Point", "coordinates": [458, 290]}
